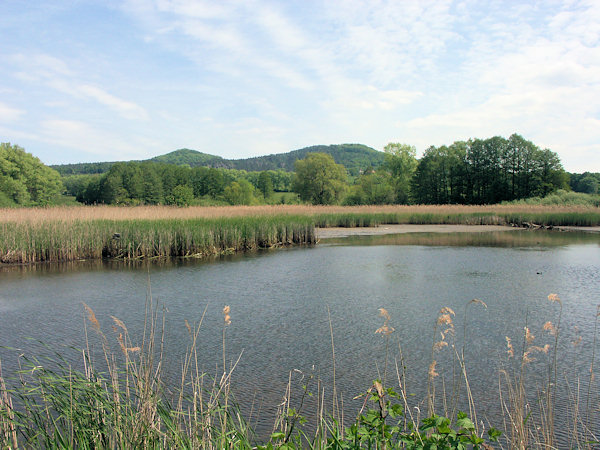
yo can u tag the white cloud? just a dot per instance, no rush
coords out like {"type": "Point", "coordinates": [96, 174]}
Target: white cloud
{"type": "Point", "coordinates": [86, 139]}
{"type": "Point", "coordinates": [56, 74]}
{"type": "Point", "coordinates": [128, 110]}
{"type": "Point", "coordinates": [9, 114]}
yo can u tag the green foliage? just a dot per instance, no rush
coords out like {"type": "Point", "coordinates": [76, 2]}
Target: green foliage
{"type": "Point", "coordinates": [441, 175]}
{"type": "Point", "coordinates": [355, 157]}
{"type": "Point", "coordinates": [25, 180]}
{"type": "Point", "coordinates": [561, 198]}
{"type": "Point", "coordinates": [319, 179]}
{"type": "Point", "coordinates": [83, 168]}
{"type": "Point", "coordinates": [384, 425]}
{"type": "Point", "coordinates": [282, 180]}
{"type": "Point", "coordinates": [372, 189]}
{"type": "Point", "coordinates": [239, 192]}
{"type": "Point", "coordinates": [182, 195]}
{"type": "Point", "coordinates": [587, 182]}
{"type": "Point", "coordinates": [284, 198]}
{"type": "Point", "coordinates": [401, 162]}
{"type": "Point", "coordinates": [473, 172]}
{"type": "Point", "coordinates": [192, 158]}
{"type": "Point", "coordinates": [153, 186]}
{"type": "Point", "coordinates": [153, 183]}
{"type": "Point", "coordinates": [265, 184]}
{"type": "Point", "coordinates": [486, 172]}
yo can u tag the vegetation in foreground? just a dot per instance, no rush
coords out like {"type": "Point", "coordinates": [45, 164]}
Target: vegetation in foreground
{"type": "Point", "coordinates": [51, 404]}
{"type": "Point", "coordinates": [68, 234]}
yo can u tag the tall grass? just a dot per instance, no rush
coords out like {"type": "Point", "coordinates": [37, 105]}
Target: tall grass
{"type": "Point", "coordinates": [87, 213]}
{"type": "Point", "coordinates": [59, 240]}
{"type": "Point", "coordinates": [67, 234]}
{"type": "Point", "coordinates": [128, 403]}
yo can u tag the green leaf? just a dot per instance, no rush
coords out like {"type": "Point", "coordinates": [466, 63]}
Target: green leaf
{"type": "Point", "coordinates": [494, 434]}
{"type": "Point", "coordinates": [466, 423]}
{"type": "Point", "coordinates": [277, 435]}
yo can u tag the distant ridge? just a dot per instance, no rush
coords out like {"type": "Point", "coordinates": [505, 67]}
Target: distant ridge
{"type": "Point", "coordinates": [193, 158]}
{"type": "Point", "coordinates": [354, 157]}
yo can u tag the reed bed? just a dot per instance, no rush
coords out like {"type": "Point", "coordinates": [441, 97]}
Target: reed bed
{"type": "Point", "coordinates": [72, 233]}
{"type": "Point", "coordinates": [102, 212]}
{"type": "Point", "coordinates": [67, 240]}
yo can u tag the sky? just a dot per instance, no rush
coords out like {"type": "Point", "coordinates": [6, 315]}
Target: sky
{"type": "Point", "coordinates": [86, 80]}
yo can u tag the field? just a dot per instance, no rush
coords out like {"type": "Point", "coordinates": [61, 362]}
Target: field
{"type": "Point", "coordinates": [71, 233]}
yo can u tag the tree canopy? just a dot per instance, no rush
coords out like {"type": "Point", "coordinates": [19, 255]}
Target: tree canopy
{"type": "Point", "coordinates": [319, 179]}
{"type": "Point", "coordinates": [25, 180]}
{"type": "Point", "coordinates": [486, 171]}
{"type": "Point", "coordinates": [400, 162]}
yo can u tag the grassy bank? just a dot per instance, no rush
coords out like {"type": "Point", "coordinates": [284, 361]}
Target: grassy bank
{"type": "Point", "coordinates": [67, 234]}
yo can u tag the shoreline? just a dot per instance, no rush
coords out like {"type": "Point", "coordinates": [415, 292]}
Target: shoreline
{"type": "Point", "coordinates": [341, 232]}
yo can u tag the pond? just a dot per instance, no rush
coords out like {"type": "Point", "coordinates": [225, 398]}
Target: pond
{"type": "Point", "coordinates": [286, 303]}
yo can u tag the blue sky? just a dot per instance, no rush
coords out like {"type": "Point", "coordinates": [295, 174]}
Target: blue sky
{"type": "Point", "coordinates": [102, 80]}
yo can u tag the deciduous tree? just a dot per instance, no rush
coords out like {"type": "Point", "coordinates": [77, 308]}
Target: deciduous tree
{"type": "Point", "coordinates": [319, 179]}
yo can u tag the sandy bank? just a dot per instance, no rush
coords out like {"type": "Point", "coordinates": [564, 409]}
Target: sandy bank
{"type": "Point", "coordinates": [337, 232]}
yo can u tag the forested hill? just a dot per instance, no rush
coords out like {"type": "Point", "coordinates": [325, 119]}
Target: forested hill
{"type": "Point", "coordinates": [352, 156]}
{"type": "Point", "coordinates": [192, 158]}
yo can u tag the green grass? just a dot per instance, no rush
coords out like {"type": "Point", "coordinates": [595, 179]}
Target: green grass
{"type": "Point", "coordinates": [131, 239]}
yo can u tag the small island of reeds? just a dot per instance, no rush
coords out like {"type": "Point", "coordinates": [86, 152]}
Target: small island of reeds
{"type": "Point", "coordinates": [32, 235]}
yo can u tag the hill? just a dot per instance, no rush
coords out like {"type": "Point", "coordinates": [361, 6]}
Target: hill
{"type": "Point", "coordinates": [354, 157]}
{"type": "Point", "coordinates": [193, 158]}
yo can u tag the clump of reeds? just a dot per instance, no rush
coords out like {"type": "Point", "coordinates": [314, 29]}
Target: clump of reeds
{"type": "Point", "coordinates": [143, 239]}
{"type": "Point", "coordinates": [126, 405]}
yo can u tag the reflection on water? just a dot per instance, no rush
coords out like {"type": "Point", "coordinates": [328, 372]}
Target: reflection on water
{"type": "Point", "coordinates": [279, 309]}
{"type": "Point", "coordinates": [509, 238]}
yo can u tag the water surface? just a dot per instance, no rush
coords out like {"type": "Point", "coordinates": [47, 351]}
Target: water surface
{"type": "Point", "coordinates": [281, 300]}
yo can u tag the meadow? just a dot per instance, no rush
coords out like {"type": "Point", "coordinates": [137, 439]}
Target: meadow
{"type": "Point", "coordinates": [31, 235]}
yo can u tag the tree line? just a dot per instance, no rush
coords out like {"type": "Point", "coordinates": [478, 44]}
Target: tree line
{"type": "Point", "coordinates": [466, 172]}
{"type": "Point", "coordinates": [586, 182]}
{"type": "Point", "coordinates": [477, 171]}
{"type": "Point", "coordinates": [486, 172]}
{"type": "Point", "coordinates": [152, 183]}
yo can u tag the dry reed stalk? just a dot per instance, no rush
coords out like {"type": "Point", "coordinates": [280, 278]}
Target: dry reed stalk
{"type": "Point", "coordinates": [444, 320]}
{"type": "Point", "coordinates": [335, 412]}
{"type": "Point", "coordinates": [8, 431]}
{"type": "Point", "coordinates": [105, 212]}
{"type": "Point", "coordinates": [591, 378]}
{"type": "Point", "coordinates": [401, 377]}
